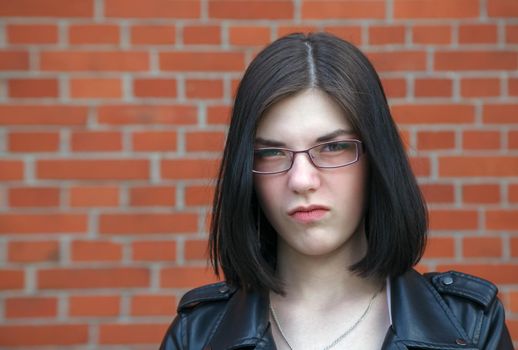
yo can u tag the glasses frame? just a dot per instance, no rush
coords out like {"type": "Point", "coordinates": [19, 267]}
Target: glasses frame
{"type": "Point", "coordinates": [359, 152]}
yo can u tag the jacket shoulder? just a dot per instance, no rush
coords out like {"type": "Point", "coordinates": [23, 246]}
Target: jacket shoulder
{"type": "Point", "coordinates": [214, 292]}
{"type": "Point", "coordinates": [463, 285]}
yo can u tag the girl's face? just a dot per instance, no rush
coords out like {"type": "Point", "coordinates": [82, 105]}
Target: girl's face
{"type": "Point", "coordinates": [315, 211]}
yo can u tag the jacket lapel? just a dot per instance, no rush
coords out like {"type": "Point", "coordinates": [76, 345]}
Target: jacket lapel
{"type": "Point", "coordinates": [244, 324]}
{"type": "Point", "coordinates": [420, 317]}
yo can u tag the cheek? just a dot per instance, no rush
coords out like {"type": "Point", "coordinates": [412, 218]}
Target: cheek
{"type": "Point", "coordinates": [268, 193]}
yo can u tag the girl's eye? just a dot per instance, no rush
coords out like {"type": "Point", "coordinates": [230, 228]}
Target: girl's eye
{"type": "Point", "coordinates": [336, 146]}
{"type": "Point", "coordinates": [269, 153]}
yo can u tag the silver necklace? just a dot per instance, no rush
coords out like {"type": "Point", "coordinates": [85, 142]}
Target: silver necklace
{"type": "Point", "coordinates": [340, 337]}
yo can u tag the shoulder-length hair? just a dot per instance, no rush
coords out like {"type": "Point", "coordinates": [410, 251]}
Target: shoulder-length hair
{"type": "Point", "coordinates": [395, 214]}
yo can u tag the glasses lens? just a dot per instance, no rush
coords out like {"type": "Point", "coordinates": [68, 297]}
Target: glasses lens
{"type": "Point", "coordinates": [335, 154]}
{"type": "Point", "coordinates": [271, 160]}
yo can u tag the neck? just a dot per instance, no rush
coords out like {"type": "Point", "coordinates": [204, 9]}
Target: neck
{"type": "Point", "coordinates": [324, 278]}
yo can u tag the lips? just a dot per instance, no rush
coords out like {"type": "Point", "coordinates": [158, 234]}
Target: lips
{"type": "Point", "coordinates": [308, 214]}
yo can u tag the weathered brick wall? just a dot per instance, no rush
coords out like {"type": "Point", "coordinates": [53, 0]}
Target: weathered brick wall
{"type": "Point", "coordinates": [113, 114]}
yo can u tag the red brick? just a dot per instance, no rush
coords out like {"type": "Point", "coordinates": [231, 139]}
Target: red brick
{"type": "Point", "coordinates": [154, 88]}
{"type": "Point", "coordinates": [184, 277]}
{"type": "Point", "coordinates": [346, 9]}
{"type": "Point", "coordinates": [154, 251]}
{"type": "Point", "coordinates": [11, 279]}
{"type": "Point", "coordinates": [504, 219]}
{"type": "Point", "coordinates": [81, 169]}
{"type": "Point", "coordinates": [513, 193]}
{"type": "Point", "coordinates": [440, 247]}
{"type": "Point", "coordinates": [512, 86]}
{"type": "Point", "coordinates": [429, 87]}
{"type": "Point", "coordinates": [206, 89]}
{"type": "Point", "coordinates": [153, 114]}
{"type": "Point", "coordinates": [202, 61]}
{"type": "Point", "coordinates": [500, 113]}
{"type": "Point", "coordinates": [481, 194]}
{"type": "Point", "coordinates": [453, 219]}
{"type": "Point", "coordinates": [352, 34]}
{"type": "Point", "coordinates": [394, 87]}
{"type": "Point", "coordinates": [478, 166]}
{"type": "Point", "coordinates": [433, 114]}
{"type": "Point", "coordinates": [199, 195]}
{"type": "Point", "coordinates": [511, 34]}
{"type": "Point", "coordinates": [513, 296]}
{"type": "Point", "coordinates": [36, 88]}
{"type": "Point", "coordinates": [480, 247]}
{"type": "Point", "coordinates": [38, 141]}
{"type": "Point", "coordinates": [480, 87]}
{"type": "Point", "coordinates": [496, 273]}
{"type": "Point", "coordinates": [33, 197]}
{"type": "Point", "coordinates": [202, 34]}
{"type": "Point", "coordinates": [140, 223]}
{"type": "Point", "coordinates": [502, 8]}
{"type": "Point", "coordinates": [252, 9]}
{"type": "Point", "coordinates": [42, 334]}
{"type": "Point", "coordinates": [14, 60]}
{"type": "Point", "coordinates": [95, 88]}
{"type": "Point", "coordinates": [11, 170]}
{"type": "Point", "coordinates": [152, 8]}
{"type": "Point", "coordinates": [289, 29]}
{"type": "Point", "coordinates": [94, 306]}
{"type": "Point", "coordinates": [393, 61]}
{"type": "Point", "coordinates": [91, 278]}
{"type": "Point", "coordinates": [435, 140]}
{"type": "Point", "coordinates": [204, 141]}
{"type": "Point", "coordinates": [415, 9]}
{"type": "Point", "coordinates": [219, 114]}
{"type": "Point", "coordinates": [382, 35]}
{"type": "Point", "coordinates": [438, 193]}
{"type": "Point", "coordinates": [94, 61]}
{"type": "Point", "coordinates": [49, 8]}
{"type": "Point", "coordinates": [480, 140]}
{"type": "Point", "coordinates": [153, 196]}
{"type": "Point", "coordinates": [154, 141]}
{"type": "Point", "coordinates": [514, 246]}
{"type": "Point", "coordinates": [475, 60]}
{"type": "Point", "coordinates": [32, 34]}
{"type": "Point", "coordinates": [196, 250]}
{"type": "Point", "coordinates": [94, 196]}
{"type": "Point", "coordinates": [431, 34]}
{"type": "Point", "coordinates": [189, 168]}
{"type": "Point", "coordinates": [46, 115]}
{"type": "Point", "coordinates": [96, 251]}
{"type": "Point", "coordinates": [478, 34]}
{"type": "Point", "coordinates": [241, 35]}
{"type": "Point", "coordinates": [43, 223]}
{"type": "Point", "coordinates": [420, 166]}
{"type": "Point", "coordinates": [153, 35]}
{"type": "Point", "coordinates": [31, 251]}
{"type": "Point", "coordinates": [513, 139]}
{"type": "Point", "coordinates": [145, 333]}
{"type": "Point", "coordinates": [153, 305]}
{"type": "Point", "coordinates": [93, 34]}
{"type": "Point", "coordinates": [18, 307]}
{"type": "Point", "coordinates": [96, 141]}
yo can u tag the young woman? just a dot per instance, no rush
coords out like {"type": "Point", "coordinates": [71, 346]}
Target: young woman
{"type": "Point", "coordinates": [318, 220]}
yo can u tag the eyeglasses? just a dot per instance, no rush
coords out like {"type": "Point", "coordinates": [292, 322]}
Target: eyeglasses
{"type": "Point", "coordinates": [334, 154]}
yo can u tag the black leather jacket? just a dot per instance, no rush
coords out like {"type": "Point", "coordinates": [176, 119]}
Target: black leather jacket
{"type": "Point", "coordinates": [444, 311]}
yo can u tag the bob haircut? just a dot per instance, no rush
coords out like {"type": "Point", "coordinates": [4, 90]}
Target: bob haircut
{"type": "Point", "coordinates": [242, 242]}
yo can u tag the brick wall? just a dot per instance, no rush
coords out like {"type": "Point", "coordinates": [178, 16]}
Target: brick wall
{"type": "Point", "coordinates": [113, 114]}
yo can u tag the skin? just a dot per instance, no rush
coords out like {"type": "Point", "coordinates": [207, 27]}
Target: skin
{"type": "Point", "coordinates": [323, 298]}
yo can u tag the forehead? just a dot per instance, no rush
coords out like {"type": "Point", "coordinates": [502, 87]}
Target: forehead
{"type": "Point", "coordinates": [303, 117]}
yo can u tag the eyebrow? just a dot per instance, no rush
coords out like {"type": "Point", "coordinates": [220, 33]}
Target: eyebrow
{"type": "Point", "coordinates": [324, 138]}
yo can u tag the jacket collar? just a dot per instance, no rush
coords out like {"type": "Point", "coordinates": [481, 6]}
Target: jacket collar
{"type": "Point", "coordinates": [420, 317]}
{"type": "Point", "coordinates": [415, 306]}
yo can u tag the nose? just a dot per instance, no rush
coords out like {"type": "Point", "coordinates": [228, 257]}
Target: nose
{"type": "Point", "coordinates": [303, 176]}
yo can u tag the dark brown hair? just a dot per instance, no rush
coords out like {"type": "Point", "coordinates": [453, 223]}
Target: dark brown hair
{"type": "Point", "coordinates": [395, 216]}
